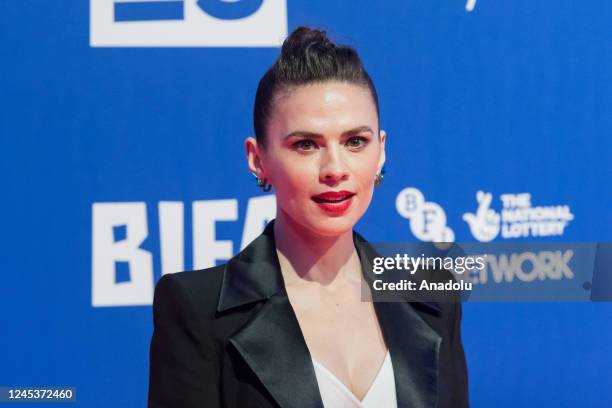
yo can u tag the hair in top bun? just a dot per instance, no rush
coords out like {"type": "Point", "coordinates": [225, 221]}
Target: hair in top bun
{"type": "Point", "coordinates": [307, 56]}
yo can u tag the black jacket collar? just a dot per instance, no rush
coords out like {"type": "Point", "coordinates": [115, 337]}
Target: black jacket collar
{"type": "Point", "coordinates": [273, 346]}
{"type": "Point", "coordinates": [255, 274]}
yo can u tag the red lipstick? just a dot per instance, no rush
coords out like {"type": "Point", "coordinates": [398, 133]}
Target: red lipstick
{"type": "Point", "coordinates": [335, 202]}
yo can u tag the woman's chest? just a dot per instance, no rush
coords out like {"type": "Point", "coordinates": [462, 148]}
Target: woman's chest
{"type": "Point", "coordinates": [342, 334]}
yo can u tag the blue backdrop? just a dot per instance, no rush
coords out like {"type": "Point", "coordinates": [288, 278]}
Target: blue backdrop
{"type": "Point", "coordinates": [122, 129]}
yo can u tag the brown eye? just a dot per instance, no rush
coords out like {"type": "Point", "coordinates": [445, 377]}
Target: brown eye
{"type": "Point", "coordinates": [305, 144]}
{"type": "Point", "coordinates": [357, 142]}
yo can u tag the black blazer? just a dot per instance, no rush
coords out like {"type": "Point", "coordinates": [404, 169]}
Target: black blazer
{"type": "Point", "coordinates": [227, 336]}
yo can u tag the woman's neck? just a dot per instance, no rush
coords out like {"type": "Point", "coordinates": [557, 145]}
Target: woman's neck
{"type": "Point", "coordinates": [308, 258]}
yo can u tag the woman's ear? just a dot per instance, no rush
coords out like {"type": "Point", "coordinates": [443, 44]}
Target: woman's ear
{"type": "Point", "coordinates": [383, 157]}
{"type": "Point", "coordinates": [253, 153]}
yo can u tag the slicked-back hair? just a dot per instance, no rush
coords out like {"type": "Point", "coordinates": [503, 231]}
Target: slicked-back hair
{"type": "Point", "coordinates": [307, 56]}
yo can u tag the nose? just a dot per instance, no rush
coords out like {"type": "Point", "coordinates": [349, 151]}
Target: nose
{"type": "Point", "coordinates": [333, 168]}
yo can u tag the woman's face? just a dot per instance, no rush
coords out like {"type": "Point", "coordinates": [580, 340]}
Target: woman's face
{"type": "Point", "coordinates": [321, 138]}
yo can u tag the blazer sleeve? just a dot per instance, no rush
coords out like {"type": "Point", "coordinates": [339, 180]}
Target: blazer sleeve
{"type": "Point", "coordinates": [460, 397]}
{"type": "Point", "coordinates": [183, 368]}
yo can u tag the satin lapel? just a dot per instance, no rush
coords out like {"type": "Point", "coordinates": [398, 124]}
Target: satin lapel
{"type": "Point", "coordinates": [414, 347]}
{"type": "Point", "coordinates": [272, 343]}
{"type": "Point", "coordinates": [273, 346]}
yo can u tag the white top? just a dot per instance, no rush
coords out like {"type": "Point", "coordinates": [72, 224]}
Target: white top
{"type": "Point", "coordinates": [336, 395]}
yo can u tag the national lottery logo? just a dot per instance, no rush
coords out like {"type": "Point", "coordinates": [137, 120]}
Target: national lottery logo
{"type": "Point", "coordinates": [188, 23]}
{"type": "Point", "coordinates": [484, 224]}
{"type": "Point", "coordinates": [518, 218]}
{"type": "Point", "coordinates": [427, 219]}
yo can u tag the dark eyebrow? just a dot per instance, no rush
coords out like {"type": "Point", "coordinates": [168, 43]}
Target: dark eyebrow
{"type": "Point", "coordinates": [305, 133]}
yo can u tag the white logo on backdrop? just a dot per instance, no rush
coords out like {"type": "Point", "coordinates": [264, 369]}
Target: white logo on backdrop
{"type": "Point", "coordinates": [518, 218]}
{"type": "Point", "coordinates": [119, 230]}
{"type": "Point", "coordinates": [188, 23]}
{"type": "Point", "coordinates": [525, 267]}
{"type": "Point", "coordinates": [427, 219]}
{"type": "Point", "coordinates": [484, 225]}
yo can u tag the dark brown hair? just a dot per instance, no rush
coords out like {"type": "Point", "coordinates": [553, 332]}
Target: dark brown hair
{"type": "Point", "coordinates": [307, 56]}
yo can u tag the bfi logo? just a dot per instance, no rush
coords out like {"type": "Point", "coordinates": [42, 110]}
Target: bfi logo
{"type": "Point", "coordinates": [187, 23]}
{"type": "Point", "coordinates": [122, 271]}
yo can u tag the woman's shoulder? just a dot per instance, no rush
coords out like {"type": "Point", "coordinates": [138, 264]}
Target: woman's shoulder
{"type": "Point", "coordinates": [212, 290]}
{"type": "Point", "coordinates": [198, 289]}
{"type": "Point", "coordinates": [200, 279]}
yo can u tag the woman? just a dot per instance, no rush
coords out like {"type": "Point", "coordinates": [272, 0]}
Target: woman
{"type": "Point", "coordinates": [282, 323]}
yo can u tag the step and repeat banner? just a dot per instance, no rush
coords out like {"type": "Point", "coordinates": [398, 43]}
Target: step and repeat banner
{"type": "Point", "coordinates": [122, 128]}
